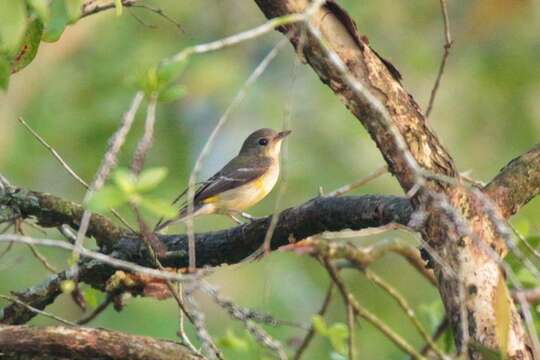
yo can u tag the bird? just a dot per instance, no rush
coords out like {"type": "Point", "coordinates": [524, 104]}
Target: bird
{"type": "Point", "coordinates": [244, 181]}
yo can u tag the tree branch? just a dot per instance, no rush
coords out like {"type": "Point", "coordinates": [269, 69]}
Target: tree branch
{"type": "Point", "coordinates": [517, 183]}
{"type": "Point", "coordinates": [229, 245]}
{"type": "Point", "coordinates": [213, 248]}
{"type": "Point", "coordinates": [458, 229]}
{"type": "Point", "coordinates": [54, 342]}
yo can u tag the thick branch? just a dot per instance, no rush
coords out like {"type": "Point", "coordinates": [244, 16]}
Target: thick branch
{"type": "Point", "coordinates": [517, 183]}
{"type": "Point", "coordinates": [59, 342]}
{"type": "Point", "coordinates": [213, 248]}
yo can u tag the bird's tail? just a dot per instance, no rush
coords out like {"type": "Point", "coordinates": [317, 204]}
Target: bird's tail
{"type": "Point", "coordinates": [183, 215]}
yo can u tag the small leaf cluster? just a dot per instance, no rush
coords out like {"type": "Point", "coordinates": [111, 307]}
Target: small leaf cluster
{"type": "Point", "coordinates": [129, 188]}
{"type": "Point", "coordinates": [160, 80]}
{"type": "Point", "coordinates": [25, 23]}
{"type": "Point", "coordinates": [337, 334]}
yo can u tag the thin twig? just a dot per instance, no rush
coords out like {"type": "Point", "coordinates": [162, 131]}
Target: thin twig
{"type": "Point", "coordinates": [151, 241]}
{"type": "Point", "coordinates": [208, 345]}
{"type": "Point", "coordinates": [66, 166]}
{"type": "Point", "coordinates": [287, 115]}
{"type": "Point", "coordinates": [367, 315]}
{"type": "Point", "coordinates": [361, 182]}
{"type": "Point", "coordinates": [311, 332]}
{"type": "Point", "coordinates": [55, 153]}
{"type": "Point", "coordinates": [39, 257]}
{"type": "Point", "coordinates": [350, 326]}
{"type": "Point", "coordinates": [121, 264]}
{"type": "Point", "coordinates": [42, 259]}
{"type": "Point", "coordinates": [96, 8]}
{"type": "Point", "coordinates": [37, 311]}
{"type": "Point", "coordinates": [524, 240]}
{"type": "Point", "coordinates": [407, 309]}
{"type": "Point", "coordinates": [439, 331]}
{"type": "Point", "coordinates": [147, 139]}
{"type": "Point", "coordinates": [211, 139]}
{"type": "Point", "coordinates": [7, 249]}
{"type": "Point", "coordinates": [97, 311]}
{"type": "Point", "coordinates": [160, 13]}
{"type": "Point", "coordinates": [447, 46]}
{"type": "Point", "coordinates": [153, 244]}
{"type": "Point", "coordinates": [181, 326]}
{"type": "Point", "coordinates": [241, 314]}
{"type": "Point", "coordinates": [108, 162]}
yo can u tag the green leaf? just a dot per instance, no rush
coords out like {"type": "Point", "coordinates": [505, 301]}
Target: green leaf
{"type": "Point", "coordinates": [57, 23]}
{"type": "Point", "coordinates": [150, 178]}
{"type": "Point", "coordinates": [319, 325]}
{"type": "Point", "coordinates": [448, 341]}
{"type": "Point", "coordinates": [118, 7]}
{"type": "Point", "coordinates": [159, 207]}
{"type": "Point", "coordinates": [41, 8]}
{"type": "Point", "coordinates": [503, 314]}
{"type": "Point", "coordinates": [172, 93]}
{"type": "Point", "coordinates": [29, 46]}
{"type": "Point", "coordinates": [107, 197]}
{"type": "Point", "coordinates": [90, 297]}
{"type": "Point", "coordinates": [338, 334]}
{"type": "Point", "coordinates": [12, 24]}
{"type": "Point", "coordinates": [125, 180]}
{"type": "Point", "coordinates": [169, 70]}
{"type": "Point", "coordinates": [73, 10]}
{"type": "Point", "coordinates": [233, 342]}
{"type": "Point", "coordinates": [533, 241]}
{"type": "Point", "coordinates": [5, 72]}
{"type": "Point", "coordinates": [150, 81]}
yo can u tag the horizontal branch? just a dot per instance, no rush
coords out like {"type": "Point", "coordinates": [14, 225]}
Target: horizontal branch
{"type": "Point", "coordinates": [213, 248]}
{"type": "Point", "coordinates": [54, 342]}
{"type": "Point", "coordinates": [52, 211]}
{"type": "Point", "coordinates": [294, 224]}
{"type": "Point", "coordinates": [517, 183]}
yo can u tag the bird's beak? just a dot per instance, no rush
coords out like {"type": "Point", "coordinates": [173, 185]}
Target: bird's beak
{"type": "Point", "coordinates": [281, 135]}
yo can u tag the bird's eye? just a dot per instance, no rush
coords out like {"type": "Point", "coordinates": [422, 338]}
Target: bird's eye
{"type": "Point", "coordinates": [263, 142]}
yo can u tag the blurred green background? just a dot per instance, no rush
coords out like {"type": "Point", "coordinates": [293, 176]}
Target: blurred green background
{"type": "Point", "coordinates": [74, 93]}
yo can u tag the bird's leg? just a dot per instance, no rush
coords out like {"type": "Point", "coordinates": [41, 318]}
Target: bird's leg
{"type": "Point", "coordinates": [235, 219]}
{"type": "Point", "coordinates": [249, 217]}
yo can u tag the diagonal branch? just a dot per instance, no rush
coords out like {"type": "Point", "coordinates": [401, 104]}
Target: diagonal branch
{"type": "Point", "coordinates": [457, 228]}
{"type": "Point", "coordinates": [517, 183]}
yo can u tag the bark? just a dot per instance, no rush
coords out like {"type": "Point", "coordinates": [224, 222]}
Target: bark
{"type": "Point", "coordinates": [212, 249]}
{"type": "Point", "coordinates": [469, 273]}
{"type": "Point", "coordinates": [60, 342]}
{"type": "Point", "coordinates": [517, 183]}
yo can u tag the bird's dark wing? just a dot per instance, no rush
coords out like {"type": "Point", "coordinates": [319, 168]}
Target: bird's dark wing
{"type": "Point", "coordinates": [239, 171]}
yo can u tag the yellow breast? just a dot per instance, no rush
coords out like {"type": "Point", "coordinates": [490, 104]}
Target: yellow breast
{"type": "Point", "coordinates": [247, 195]}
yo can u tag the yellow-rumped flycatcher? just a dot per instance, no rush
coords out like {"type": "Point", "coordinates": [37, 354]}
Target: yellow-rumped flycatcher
{"type": "Point", "coordinates": [242, 183]}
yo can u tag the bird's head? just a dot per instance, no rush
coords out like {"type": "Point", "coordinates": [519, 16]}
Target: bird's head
{"type": "Point", "coordinates": [264, 142]}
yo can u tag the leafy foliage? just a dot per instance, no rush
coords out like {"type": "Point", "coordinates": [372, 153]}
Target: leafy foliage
{"type": "Point", "coordinates": [128, 188]}
{"type": "Point", "coordinates": [24, 24]}
{"type": "Point", "coordinates": [337, 333]}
